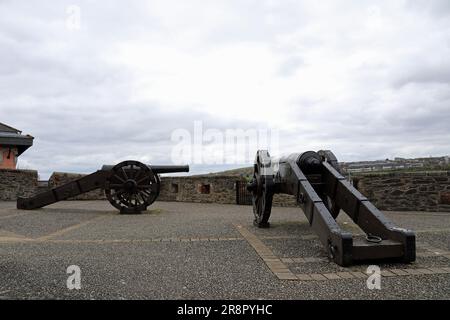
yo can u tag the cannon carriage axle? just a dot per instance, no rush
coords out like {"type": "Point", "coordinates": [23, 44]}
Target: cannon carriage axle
{"type": "Point", "coordinates": [130, 186]}
{"type": "Point", "coordinates": [321, 191]}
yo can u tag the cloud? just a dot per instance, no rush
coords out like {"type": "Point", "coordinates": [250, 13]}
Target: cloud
{"type": "Point", "coordinates": [436, 8]}
{"type": "Point", "coordinates": [366, 81]}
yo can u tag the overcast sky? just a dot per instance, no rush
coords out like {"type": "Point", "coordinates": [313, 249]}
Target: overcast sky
{"type": "Point", "coordinates": [366, 79]}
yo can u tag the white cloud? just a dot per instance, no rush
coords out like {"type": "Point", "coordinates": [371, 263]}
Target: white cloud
{"type": "Point", "coordinates": [365, 80]}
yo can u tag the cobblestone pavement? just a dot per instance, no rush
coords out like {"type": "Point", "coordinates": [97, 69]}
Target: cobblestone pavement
{"type": "Point", "coordinates": [201, 251]}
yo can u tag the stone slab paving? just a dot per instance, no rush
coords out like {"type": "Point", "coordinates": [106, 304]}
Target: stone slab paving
{"type": "Point", "coordinates": [201, 251]}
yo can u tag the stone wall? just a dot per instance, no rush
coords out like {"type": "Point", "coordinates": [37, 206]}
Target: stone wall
{"type": "Point", "coordinates": [209, 189]}
{"type": "Point", "coordinates": [17, 183]}
{"type": "Point", "coordinates": [398, 191]}
{"type": "Point", "coordinates": [414, 191]}
{"type": "Point", "coordinates": [284, 200]}
{"type": "Point", "coordinates": [60, 178]}
{"type": "Point", "coordinates": [222, 190]}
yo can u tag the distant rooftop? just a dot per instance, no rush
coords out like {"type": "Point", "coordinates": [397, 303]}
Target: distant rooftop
{"type": "Point", "coordinates": [12, 137]}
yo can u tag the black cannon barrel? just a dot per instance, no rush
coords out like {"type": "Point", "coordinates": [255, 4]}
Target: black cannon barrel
{"type": "Point", "coordinates": [158, 168]}
{"type": "Point", "coordinates": [169, 169]}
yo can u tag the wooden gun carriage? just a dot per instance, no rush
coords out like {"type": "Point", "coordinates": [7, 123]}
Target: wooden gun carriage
{"type": "Point", "coordinates": [130, 186]}
{"type": "Point", "coordinates": [321, 191]}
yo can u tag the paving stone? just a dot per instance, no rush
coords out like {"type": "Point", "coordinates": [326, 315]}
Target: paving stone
{"type": "Point", "coordinates": [425, 271]}
{"type": "Point", "coordinates": [399, 272]}
{"type": "Point", "coordinates": [331, 276]}
{"type": "Point", "coordinates": [271, 259]}
{"type": "Point", "coordinates": [386, 273]}
{"type": "Point", "coordinates": [438, 270]}
{"type": "Point", "coordinates": [277, 266]}
{"type": "Point", "coordinates": [304, 277]}
{"type": "Point", "coordinates": [345, 275]}
{"type": "Point", "coordinates": [317, 276]}
{"type": "Point", "coordinates": [286, 276]}
{"type": "Point", "coordinates": [413, 271]}
{"type": "Point", "coordinates": [275, 262]}
{"type": "Point", "coordinates": [360, 275]}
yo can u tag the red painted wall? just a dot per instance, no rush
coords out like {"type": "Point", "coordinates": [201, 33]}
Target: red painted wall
{"type": "Point", "coordinates": [6, 163]}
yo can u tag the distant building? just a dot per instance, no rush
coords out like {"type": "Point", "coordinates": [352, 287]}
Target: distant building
{"type": "Point", "coordinates": [12, 145]}
{"type": "Point", "coordinates": [433, 163]}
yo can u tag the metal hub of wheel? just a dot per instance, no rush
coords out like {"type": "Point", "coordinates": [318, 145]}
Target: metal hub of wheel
{"type": "Point", "coordinates": [132, 187]}
{"type": "Point", "coordinates": [262, 186]}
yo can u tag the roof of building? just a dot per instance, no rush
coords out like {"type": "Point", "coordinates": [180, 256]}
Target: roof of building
{"type": "Point", "coordinates": [6, 128]}
{"type": "Point", "coordinates": [10, 136]}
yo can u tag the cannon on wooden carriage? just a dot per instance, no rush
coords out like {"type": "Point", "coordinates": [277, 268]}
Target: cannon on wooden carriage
{"type": "Point", "coordinates": [314, 178]}
{"type": "Point", "coordinates": [130, 186]}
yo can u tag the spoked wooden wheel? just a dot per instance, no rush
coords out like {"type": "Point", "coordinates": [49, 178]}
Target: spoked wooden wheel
{"type": "Point", "coordinates": [262, 190]}
{"type": "Point", "coordinates": [132, 187]}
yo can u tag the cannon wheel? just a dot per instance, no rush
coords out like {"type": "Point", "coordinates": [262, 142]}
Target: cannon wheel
{"type": "Point", "coordinates": [262, 187]}
{"type": "Point", "coordinates": [131, 187]}
{"type": "Point", "coordinates": [331, 205]}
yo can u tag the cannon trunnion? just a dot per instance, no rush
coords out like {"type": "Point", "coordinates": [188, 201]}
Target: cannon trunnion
{"type": "Point", "coordinates": [322, 192]}
{"type": "Point", "coordinates": [130, 186]}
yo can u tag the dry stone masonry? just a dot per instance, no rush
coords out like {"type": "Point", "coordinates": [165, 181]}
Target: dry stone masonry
{"type": "Point", "coordinates": [210, 189]}
{"type": "Point", "coordinates": [14, 183]}
{"type": "Point", "coordinates": [413, 191]}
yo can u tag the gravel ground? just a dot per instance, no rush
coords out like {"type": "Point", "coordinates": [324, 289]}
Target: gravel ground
{"type": "Point", "coordinates": [132, 257]}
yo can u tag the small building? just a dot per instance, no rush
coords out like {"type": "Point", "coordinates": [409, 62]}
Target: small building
{"type": "Point", "coordinates": [12, 145]}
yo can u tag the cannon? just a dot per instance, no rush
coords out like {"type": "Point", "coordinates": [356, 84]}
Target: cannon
{"type": "Point", "coordinates": [322, 192]}
{"type": "Point", "coordinates": [130, 186]}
